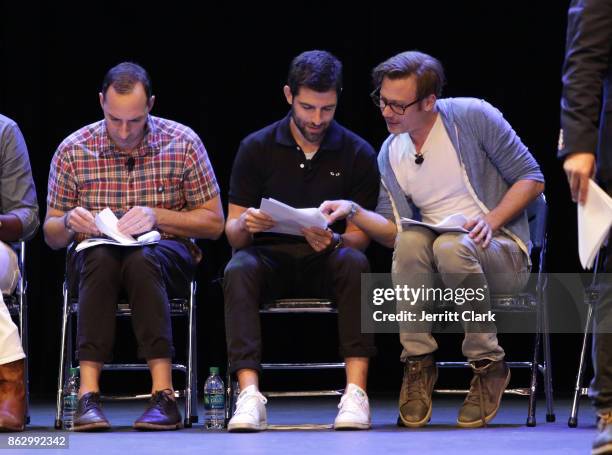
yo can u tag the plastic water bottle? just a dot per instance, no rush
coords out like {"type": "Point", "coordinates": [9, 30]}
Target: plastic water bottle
{"type": "Point", "coordinates": [71, 398]}
{"type": "Point", "coordinates": [214, 401]}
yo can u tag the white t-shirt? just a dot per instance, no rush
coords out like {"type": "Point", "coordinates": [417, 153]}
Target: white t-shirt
{"type": "Point", "coordinates": [436, 186]}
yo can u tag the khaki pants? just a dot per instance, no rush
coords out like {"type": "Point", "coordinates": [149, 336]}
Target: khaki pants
{"type": "Point", "coordinates": [502, 267]}
{"type": "Point", "coordinates": [10, 344]}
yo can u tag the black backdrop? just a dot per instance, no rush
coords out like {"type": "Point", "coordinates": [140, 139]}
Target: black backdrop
{"type": "Point", "coordinates": [221, 70]}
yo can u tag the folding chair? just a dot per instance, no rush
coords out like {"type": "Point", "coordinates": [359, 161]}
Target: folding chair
{"type": "Point", "coordinates": [294, 307]}
{"type": "Point", "coordinates": [185, 307]}
{"type": "Point", "coordinates": [532, 302]}
{"type": "Point", "coordinates": [17, 304]}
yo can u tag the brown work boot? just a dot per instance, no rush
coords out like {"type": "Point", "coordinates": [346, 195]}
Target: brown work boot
{"type": "Point", "coordinates": [486, 390]}
{"type": "Point", "coordinates": [603, 441]}
{"type": "Point", "coordinates": [415, 395]}
{"type": "Point", "coordinates": [12, 396]}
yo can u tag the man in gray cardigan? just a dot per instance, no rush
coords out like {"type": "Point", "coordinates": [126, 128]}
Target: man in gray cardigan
{"type": "Point", "coordinates": [445, 157]}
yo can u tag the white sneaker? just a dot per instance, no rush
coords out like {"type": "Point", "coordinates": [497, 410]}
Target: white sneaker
{"type": "Point", "coordinates": [250, 412]}
{"type": "Point", "coordinates": [354, 411]}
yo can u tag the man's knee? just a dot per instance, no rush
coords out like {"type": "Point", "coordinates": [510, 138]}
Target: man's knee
{"type": "Point", "coordinates": [244, 264]}
{"type": "Point", "coordinates": [452, 251]}
{"type": "Point", "coordinates": [141, 258]}
{"type": "Point", "coordinates": [349, 260]}
{"type": "Point", "coordinates": [412, 249]}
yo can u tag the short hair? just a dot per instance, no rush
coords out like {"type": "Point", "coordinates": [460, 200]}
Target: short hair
{"type": "Point", "coordinates": [427, 69]}
{"type": "Point", "coordinates": [317, 70]}
{"type": "Point", "coordinates": [124, 76]}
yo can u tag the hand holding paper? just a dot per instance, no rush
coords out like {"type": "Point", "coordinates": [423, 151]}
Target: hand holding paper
{"type": "Point", "coordinates": [594, 221]}
{"type": "Point", "coordinates": [106, 222]}
{"type": "Point", "coordinates": [290, 220]}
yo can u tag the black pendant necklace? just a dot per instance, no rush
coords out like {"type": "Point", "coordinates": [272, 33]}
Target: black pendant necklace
{"type": "Point", "coordinates": [419, 158]}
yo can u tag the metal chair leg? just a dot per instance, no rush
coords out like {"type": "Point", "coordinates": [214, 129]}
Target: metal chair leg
{"type": "Point", "coordinates": [24, 333]}
{"type": "Point", "coordinates": [62, 363]}
{"type": "Point", "coordinates": [572, 422]}
{"type": "Point", "coordinates": [548, 386]}
{"type": "Point", "coordinates": [189, 392]}
{"type": "Point", "coordinates": [533, 385]}
{"type": "Point", "coordinates": [228, 394]}
{"type": "Point", "coordinates": [194, 342]}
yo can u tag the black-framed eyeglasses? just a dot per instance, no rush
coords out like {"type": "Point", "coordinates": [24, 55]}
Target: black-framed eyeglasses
{"type": "Point", "coordinates": [382, 103]}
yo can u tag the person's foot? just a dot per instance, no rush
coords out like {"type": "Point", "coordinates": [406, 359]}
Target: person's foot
{"type": "Point", "coordinates": [603, 441]}
{"type": "Point", "coordinates": [162, 413]}
{"type": "Point", "coordinates": [486, 390]}
{"type": "Point", "coordinates": [354, 410]}
{"type": "Point", "coordinates": [12, 396]}
{"type": "Point", "coordinates": [89, 415]}
{"type": "Point", "coordinates": [415, 395]}
{"type": "Point", "coordinates": [250, 412]}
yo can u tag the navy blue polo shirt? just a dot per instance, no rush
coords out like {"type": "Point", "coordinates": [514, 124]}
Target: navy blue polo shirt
{"type": "Point", "coordinates": [270, 164]}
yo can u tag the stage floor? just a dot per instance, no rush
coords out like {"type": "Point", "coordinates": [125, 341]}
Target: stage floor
{"type": "Point", "coordinates": [506, 435]}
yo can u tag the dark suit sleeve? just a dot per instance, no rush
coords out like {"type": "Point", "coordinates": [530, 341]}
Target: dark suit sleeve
{"type": "Point", "coordinates": [587, 59]}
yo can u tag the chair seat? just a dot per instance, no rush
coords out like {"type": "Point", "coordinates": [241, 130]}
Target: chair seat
{"type": "Point", "coordinates": [506, 303]}
{"type": "Point", "coordinates": [299, 306]}
{"type": "Point", "coordinates": [177, 307]}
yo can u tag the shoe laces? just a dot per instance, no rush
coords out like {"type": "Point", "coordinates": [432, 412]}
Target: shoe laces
{"type": "Point", "coordinates": [247, 402]}
{"type": "Point", "coordinates": [476, 393]}
{"type": "Point", "coordinates": [160, 397]}
{"type": "Point", "coordinates": [415, 389]}
{"type": "Point", "coordinates": [351, 402]}
{"type": "Point", "coordinates": [604, 419]}
{"type": "Point", "coordinates": [90, 400]}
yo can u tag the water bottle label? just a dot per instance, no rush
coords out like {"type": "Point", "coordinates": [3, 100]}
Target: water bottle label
{"type": "Point", "coordinates": [71, 401]}
{"type": "Point", "coordinates": [214, 401]}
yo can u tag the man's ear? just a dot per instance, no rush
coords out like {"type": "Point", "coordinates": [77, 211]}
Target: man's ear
{"type": "Point", "coordinates": [151, 102]}
{"type": "Point", "coordinates": [430, 102]}
{"type": "Point", "coordinates": [101, 98]}
{"type": "Point", "coordinates": [288, 94]}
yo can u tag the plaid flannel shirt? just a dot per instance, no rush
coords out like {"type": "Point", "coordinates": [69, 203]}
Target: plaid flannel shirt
{"type": "Point", "coordinates": [170, 169]}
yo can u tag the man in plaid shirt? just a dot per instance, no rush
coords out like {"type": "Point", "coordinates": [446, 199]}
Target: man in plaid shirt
{"type": "Point", "coordinates": [153, 174]}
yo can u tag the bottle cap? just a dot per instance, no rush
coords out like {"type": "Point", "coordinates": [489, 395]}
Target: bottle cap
{"type": "Point", "coordinates": [74, 371]}
{"type": "Point", "coordinates": [214, 370]}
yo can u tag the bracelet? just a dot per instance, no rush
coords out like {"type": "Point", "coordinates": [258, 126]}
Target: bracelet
{"type": "Point", "coordinates": [338, 241]}
{"type": "Point", "coordinates": [353, 212]}
{"type": "Point", "coordinates": [68, 228]}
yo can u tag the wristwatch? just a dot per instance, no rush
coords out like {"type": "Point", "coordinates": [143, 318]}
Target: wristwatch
{"type": "Point", "coordinates": [338, 241]}
{"type": "Point", "coordinates": [66, 223]}
{"type": "Point", "coordinates": [353, 211]}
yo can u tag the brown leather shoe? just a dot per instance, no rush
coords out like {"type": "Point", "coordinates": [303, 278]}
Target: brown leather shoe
{"type": "Point", "coordinates": [161, 414]}
{"type": "Point", "coordinates": [89, 415]}
{"type": "Point", "coordinates": [12, 396]}
{"type": "Point", "coordinates": [603, 441]}
{"type": "Point", "coordinates": [486, 390]}
{"type": "Point", "coordinates": [415, 395]}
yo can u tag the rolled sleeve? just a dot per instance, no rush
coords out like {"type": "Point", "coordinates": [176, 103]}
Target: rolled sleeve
{"type": "Point", "coordinates": [18, 193]}
{"type": "Point", "coordinates": [200, 182]}
{"type": "Point", "coordinates": [62, 190]}
{"type": "Point", "coordinates": [384, 206]}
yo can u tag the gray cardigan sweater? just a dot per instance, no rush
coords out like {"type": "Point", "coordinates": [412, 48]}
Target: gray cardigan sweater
{"type": "Point", "coordinates": [492, 157]}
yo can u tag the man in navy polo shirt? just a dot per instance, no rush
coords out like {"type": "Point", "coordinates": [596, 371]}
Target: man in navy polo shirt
{"type": "Point", "coordinates": [300, 160]}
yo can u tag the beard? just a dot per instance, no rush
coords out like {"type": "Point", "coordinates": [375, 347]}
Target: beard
{"type": "Point", "coordinates": [314, 138]}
